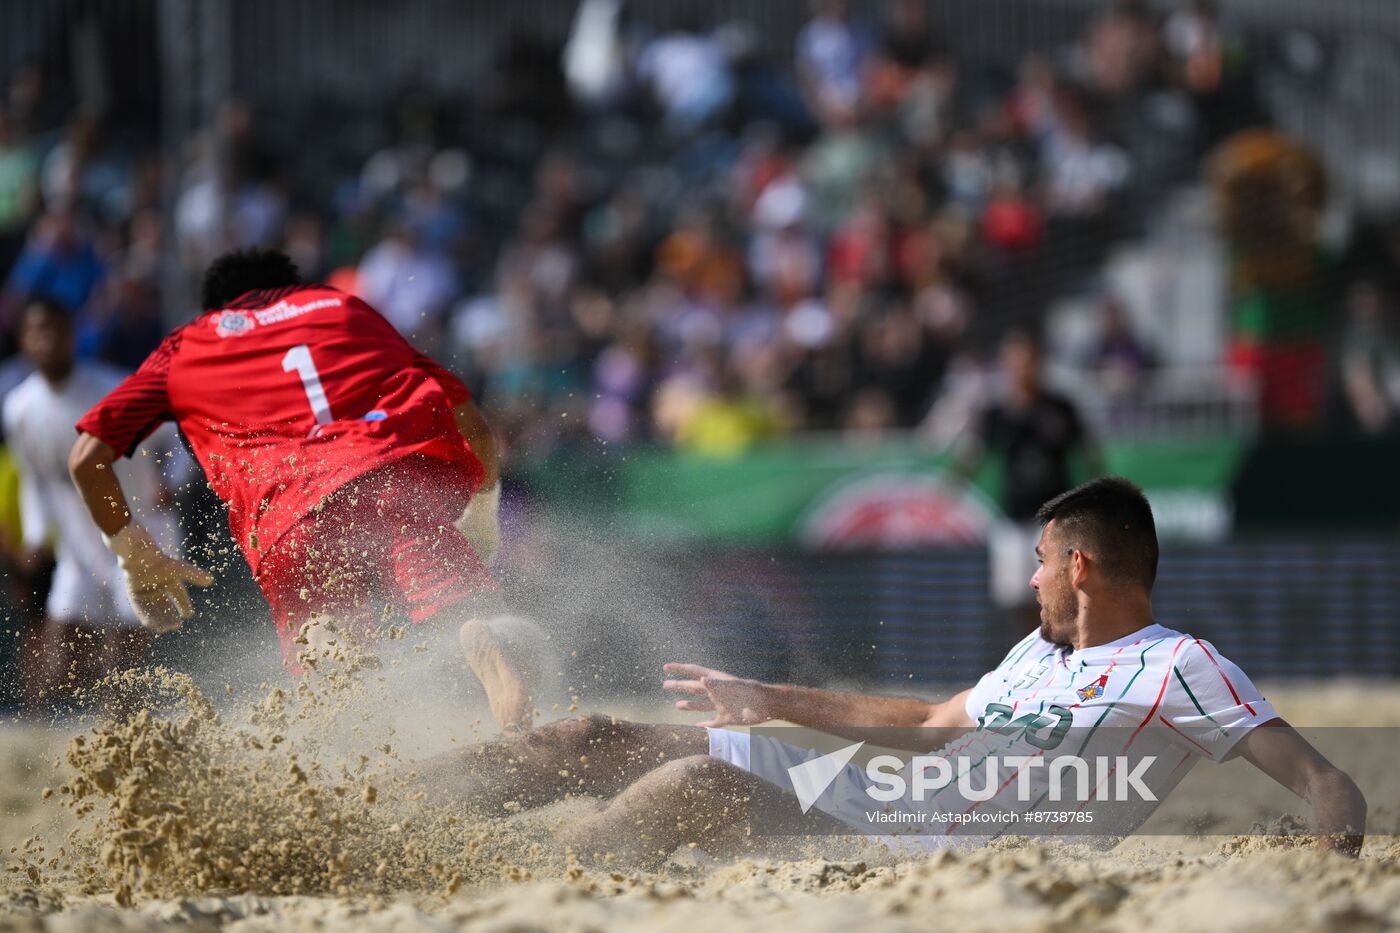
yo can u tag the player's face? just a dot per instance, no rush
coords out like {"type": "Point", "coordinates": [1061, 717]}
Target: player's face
{"type": "Point", "coordinates": [1019, 361]}
{"type": "Point", "coordinates": [1058, 605]}
{"type": "Point", "coordinates": [47, 340]}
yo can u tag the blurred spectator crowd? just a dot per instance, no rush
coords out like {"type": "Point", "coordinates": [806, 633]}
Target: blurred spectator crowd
{"type": "Point", "coordinates": [711, 247]}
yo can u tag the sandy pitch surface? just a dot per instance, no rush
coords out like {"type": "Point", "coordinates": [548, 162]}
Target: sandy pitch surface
{"type": "Point", "coordinates": [77, 861]}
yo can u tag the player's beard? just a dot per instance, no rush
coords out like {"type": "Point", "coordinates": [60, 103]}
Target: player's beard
{"type": "Point", "coordinates": [1057, 615]}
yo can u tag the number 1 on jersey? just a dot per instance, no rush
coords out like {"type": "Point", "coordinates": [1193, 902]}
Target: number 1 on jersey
{"type": "Point", "coordinates": [298, 359]}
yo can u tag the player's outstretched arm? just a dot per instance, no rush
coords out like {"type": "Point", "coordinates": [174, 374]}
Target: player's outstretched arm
{"type": "Point", "coordinates": [90, 464]}
{"type": "Point", "coordinates": [738, 701]}
{"type": "Point", "coordinates": [476, 431]}
{"type": "Point", "coordinates": [1339, 809]}
{"type": "Point", "coordinates": [155, 580]}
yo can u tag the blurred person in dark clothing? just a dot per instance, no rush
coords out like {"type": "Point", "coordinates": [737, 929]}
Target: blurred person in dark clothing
{"type": "Point", "coordinates": [617, 240]}
{"type": "Point", "coordinates": [822, 379]}
{"type": "Point", "coordinates": [1121, 357]}
{"type": "Point", "coordinates": [1036, 432]}
{"type": "Point", "coordinates": [1368, 360]}
{"type": "Point", "coordinates": [909, 43]}
{"type": "Point", "coordinates": [895, 358]}
{"type": "Point", "coordinates": [1123, 49]}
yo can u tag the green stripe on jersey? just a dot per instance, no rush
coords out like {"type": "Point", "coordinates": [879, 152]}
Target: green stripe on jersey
{"type": "Point", "coordinates": [1142, 666]}
{"type": "Point", "coordinates": [1030, 640]}
{"type": "Point", "coordinates": [1194, 702]}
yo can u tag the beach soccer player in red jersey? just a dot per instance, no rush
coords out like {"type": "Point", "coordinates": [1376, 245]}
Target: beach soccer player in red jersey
{"type": "Point", "coordinates": [354, 467]}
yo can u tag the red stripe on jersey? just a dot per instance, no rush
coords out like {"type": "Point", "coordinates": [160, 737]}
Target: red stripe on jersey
{"type": "Point", "coordinates": [136, 407]}
{"type": "Point", "coordinates": [1185, 757]}
{"type": "Point", "coordinates": [1004, 784]}
{"type": "Point", "coordinates": [1160, 693]}
{"type": "Point", "coordinates": [1188, 738]}
{"type": "Point", "coordinates": [1228, 686]}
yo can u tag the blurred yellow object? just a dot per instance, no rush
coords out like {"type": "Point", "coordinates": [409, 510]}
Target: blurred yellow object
{"type": "Point", "coordinates": [11, 531]}
{"type": "Point", "coordinates": [726, 427]}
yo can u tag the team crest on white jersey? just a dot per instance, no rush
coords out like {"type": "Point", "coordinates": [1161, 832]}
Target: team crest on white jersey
{"type": "Point", "coordinates": [1094, 690]}
{"type": "Point", "coordinates": [233, 324]}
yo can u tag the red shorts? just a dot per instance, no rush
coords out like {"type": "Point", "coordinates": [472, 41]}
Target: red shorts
{"type": "Point", "coordinates": [386, 538]}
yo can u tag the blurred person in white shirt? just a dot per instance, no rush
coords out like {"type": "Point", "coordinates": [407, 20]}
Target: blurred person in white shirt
{"type": "Point", "coordinates": [89, 629]}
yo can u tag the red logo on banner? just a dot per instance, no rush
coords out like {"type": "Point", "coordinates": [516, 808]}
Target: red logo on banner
{"type": "Point", "coordinates": [895, 512]}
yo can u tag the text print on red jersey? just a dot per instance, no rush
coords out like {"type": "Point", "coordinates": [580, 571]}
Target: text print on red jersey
{"type": "Point", "coordinates": [238, 323]}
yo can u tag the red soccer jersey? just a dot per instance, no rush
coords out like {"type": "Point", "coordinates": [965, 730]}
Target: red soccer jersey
{"type": "Point", "coordinates": [285, 396]}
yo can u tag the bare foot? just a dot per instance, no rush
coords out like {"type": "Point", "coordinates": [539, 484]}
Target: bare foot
{"type": "Point", "coordinates": [506, 691]}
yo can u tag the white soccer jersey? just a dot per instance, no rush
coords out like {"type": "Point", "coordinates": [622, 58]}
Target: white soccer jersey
{"type": "Point", "coordinates": [88, 587]}
{"type": "Point", "coordinates": [1155, 676]}
{"type": "Point", "coordinates": [1149, 705]}
{"type": "Point", "coordinates": [1156, 694]}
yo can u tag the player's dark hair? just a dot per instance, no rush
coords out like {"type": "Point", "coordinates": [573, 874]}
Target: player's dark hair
{"type": "Point", "coordinates": [1110, 518]}
{"type": "Point", "coordinates": [235, 274]}
{"type": "Point", "coordinates": [48, 306]}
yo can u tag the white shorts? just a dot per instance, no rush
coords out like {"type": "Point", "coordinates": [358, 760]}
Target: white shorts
{"type": "Point", "coordinates": [1011, 547]}
{"type": "Point", "coordinates": [846, 799]}
{"type": "Point", "coordinates": [78, 597]}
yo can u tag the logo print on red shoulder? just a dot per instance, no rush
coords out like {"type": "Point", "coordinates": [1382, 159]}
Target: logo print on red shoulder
{"type": "Point", "coordinates": [233, 323]}
{"type": "Point", "coordinates": [1094, 690]}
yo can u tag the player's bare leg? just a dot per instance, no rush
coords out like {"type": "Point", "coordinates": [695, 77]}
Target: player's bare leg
{"type": "Point", "coordinates": [666, 790]}
{"type": "Point", "coordinates": [504, 653]}
{"type": "Point", "coordinates": [695, 800]}
{"type": "Point", "coordinates": [593, 755]}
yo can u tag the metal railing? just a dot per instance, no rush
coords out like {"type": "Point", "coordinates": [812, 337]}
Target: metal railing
{"type": "Point", "coordinates": [1178, 401]}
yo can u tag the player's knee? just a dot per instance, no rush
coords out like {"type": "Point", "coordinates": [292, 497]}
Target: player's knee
{"type": "Point", "coordinates": [706, 788]}
{"type": "Point", "coordinates": [685, 769]}
{"type": "Point", "coordinates": [577, 733]}
{"type": "Point", "coordinates": [703, 773]}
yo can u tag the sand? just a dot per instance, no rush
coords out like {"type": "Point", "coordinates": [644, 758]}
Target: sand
{"type": "Point", "coordinates": [250, 814]}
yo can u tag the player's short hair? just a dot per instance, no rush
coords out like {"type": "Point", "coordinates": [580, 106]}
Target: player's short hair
{"type": "Point", "coordinates": [1111, 519]}
{"type": "Point", "coordinates": [236, 273]}
{"type": "Point", "coordinates": [49, 307]}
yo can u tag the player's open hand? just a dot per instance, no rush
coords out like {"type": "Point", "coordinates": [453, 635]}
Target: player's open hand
{"type": "Point", "coordinates": [735, 701]}
{"type": "Point", "coordinates": [155, 580]}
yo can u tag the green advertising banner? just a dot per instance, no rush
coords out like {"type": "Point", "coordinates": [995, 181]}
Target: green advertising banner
{"type": "Point", "coordinates": [831, 494]}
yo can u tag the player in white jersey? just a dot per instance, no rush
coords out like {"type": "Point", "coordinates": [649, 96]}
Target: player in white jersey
{"type": "Point", "coordinates": [89, 627]}
{"type": "Point", "coordinates": [1100, 682]}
